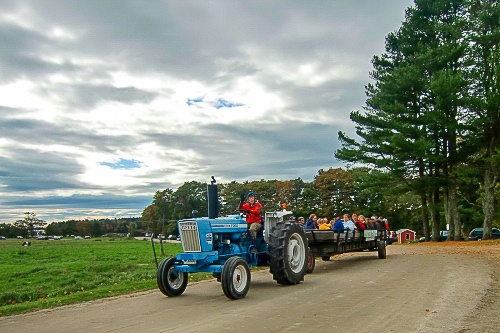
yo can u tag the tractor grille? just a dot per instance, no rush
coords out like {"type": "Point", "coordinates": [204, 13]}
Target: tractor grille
{"type": "Point", "coordinates": [190, 236]}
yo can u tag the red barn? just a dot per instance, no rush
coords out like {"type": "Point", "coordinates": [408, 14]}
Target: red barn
{"type": "Point", "coordinates": [405, 235]}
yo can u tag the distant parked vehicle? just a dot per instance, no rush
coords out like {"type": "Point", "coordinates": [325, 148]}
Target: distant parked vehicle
{"type": "Point", "coordinates": [78, 237]}
{"type": "Point", "coordinates": [87, 237]}
{"type": "Point", "coordinates": [477, 234]}
{"type": "Point", "coordinates": [2, 238]}
{"type": "Point", "coordinates": [19, 237]}
{"type": "Point", "coordinates": [40, 237]}
{"type": "Point", "coordinates": [443, 235]}
{"type": "Point", "coordinates": [172, 237]}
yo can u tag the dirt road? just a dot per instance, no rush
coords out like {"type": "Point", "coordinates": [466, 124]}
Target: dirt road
{"type": "Point", "coordinates": [418, 288]}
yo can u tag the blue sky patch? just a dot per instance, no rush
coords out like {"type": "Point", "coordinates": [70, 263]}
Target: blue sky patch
{"type": "Point", "coordinates": [218, 104]}
{"type": "Point", "coordinates": [192, 101]}
{"type": "Point", "coordinates": [222, 103]}
{"type": "Point", "coordinates": [123, 164]}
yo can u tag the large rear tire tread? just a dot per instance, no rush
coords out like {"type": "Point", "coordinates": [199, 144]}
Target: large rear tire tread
{"type": "Point", "coordinates": [288, 253]}
{"type": "Point", "coordinates": [235, 278]}
{"type": "Point", "coordinates": [171, 282]}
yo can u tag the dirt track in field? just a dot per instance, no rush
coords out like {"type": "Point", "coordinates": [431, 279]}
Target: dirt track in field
{"type": "Point", "coordinates": [445, 287]}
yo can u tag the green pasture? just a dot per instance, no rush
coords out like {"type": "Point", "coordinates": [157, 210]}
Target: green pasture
{"type": "Point", "coordinates": [58, 272]}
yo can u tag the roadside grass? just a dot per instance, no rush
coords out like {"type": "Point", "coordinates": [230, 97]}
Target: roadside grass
{"type": "Point", "coordinates": [60, 272]}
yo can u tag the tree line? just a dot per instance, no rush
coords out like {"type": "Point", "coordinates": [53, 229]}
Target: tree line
{"type": "Point", "coordinates": [356, 190]}
{"type": "Point", "coordinates": [31, 226]}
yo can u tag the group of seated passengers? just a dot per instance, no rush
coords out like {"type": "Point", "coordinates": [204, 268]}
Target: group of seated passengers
{"type": "Point", "coordinates": [346, 224]}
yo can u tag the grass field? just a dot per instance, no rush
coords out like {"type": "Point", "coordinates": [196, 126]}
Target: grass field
{"type": "Point", "coordinates": [58, 272]}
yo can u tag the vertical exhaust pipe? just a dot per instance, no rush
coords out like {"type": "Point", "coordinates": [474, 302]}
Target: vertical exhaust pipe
{"type": "Point", "coordinates": [213, 200]}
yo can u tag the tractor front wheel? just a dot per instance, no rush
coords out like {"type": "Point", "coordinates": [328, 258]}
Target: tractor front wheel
{"type": "Point", "coordinates": [235, 278]}
{"type": "Point", "coordinates": [171, 282]}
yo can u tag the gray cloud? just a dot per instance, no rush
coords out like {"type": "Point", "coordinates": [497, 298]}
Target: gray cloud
{"type": "Point", "coordinates": [84, 96]}
{"type": "Point", "coordinates": [31, 131]}
{"type": "Point", "coordinates": [31, 170]}
{"type": "Point", "coordinates": [84, 201]}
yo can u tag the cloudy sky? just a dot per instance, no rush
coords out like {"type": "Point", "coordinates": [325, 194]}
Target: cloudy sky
{"type": "Point", "coordinates": [103, 103]}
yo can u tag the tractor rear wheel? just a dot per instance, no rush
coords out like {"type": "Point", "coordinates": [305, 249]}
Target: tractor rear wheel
{"type": "Point", "coordinates": [235, 278]}
{"type": "Point", "coordinates": [171, 282]}
{"type": "Point", "coordinates": [288, 252]}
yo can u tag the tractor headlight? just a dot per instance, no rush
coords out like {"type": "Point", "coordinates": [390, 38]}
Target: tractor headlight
{"type": "Point", "coordinates": [227, 241]}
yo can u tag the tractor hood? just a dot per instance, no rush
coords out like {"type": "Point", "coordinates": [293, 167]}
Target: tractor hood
{"type": "Point", "coordinates": [197, 234]}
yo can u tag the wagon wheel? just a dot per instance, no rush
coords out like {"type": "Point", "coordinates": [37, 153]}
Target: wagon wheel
{"type": "Point", "coordinates": [382, 250]}
{"type": "Point", "coordinates": [311, 262]}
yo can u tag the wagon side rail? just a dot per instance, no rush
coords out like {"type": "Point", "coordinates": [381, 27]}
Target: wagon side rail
{"type": "Point", "coordinates": [327, 242]}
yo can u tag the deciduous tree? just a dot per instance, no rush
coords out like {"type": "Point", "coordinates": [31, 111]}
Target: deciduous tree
{"type": "Point", "coordinates": [31, 223]}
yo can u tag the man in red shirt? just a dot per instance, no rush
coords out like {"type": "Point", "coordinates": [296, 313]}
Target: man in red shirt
{"type": "Point", "coordinates": [253, 210]}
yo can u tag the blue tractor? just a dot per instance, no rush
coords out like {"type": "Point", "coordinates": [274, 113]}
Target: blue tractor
{"type": "Point", "coordinates": [222, 246]}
